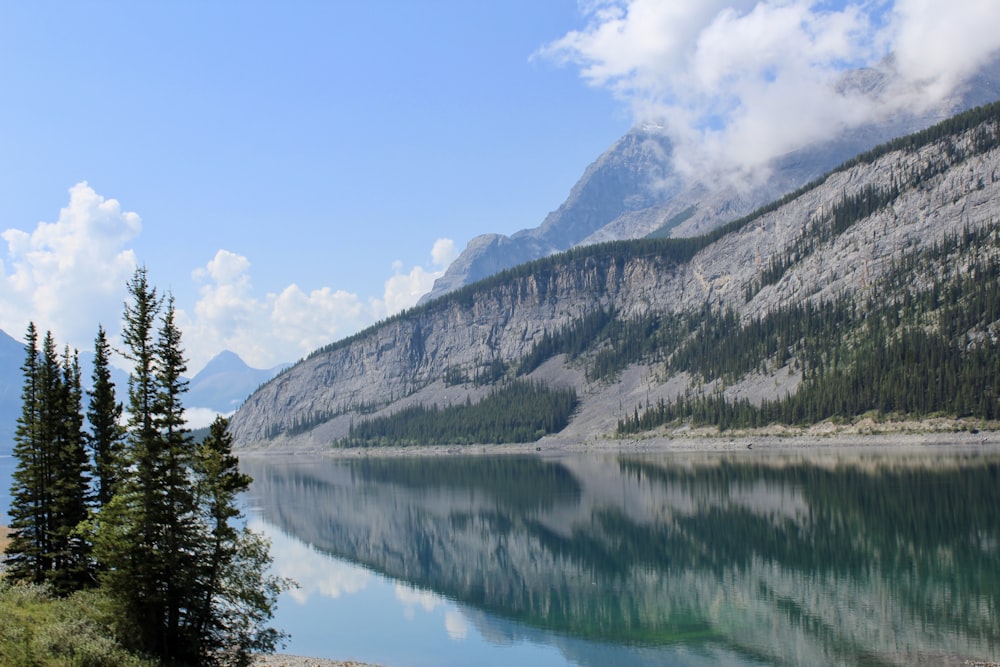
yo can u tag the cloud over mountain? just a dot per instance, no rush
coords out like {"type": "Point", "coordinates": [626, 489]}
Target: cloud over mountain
{"type": "Point", "coordinates": [738, 82]}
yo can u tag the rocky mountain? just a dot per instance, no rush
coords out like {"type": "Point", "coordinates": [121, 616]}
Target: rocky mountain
{"type": "Point", "coordinates": [224, 383]}
{"type": "Point", "coordinates": [633, 190]}
{"type": "Point", "coordinates": [894, 227]}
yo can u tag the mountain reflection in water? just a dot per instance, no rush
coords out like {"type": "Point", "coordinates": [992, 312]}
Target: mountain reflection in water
{"type": "Point", "coordinates": [864, 558]}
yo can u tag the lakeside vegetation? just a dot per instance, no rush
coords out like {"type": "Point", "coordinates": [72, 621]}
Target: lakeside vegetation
{"type": "Point", "coordinates": [125, 545]}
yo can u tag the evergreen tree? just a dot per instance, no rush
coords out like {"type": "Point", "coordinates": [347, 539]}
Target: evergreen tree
{"type": "Point", "coordinates": [49, 491]}
{"type": "Point", "coordinates": [184, 586]}
{"type": "Point", "coordinates": [131, 535]}
{"type": "Point", "coordinates": [70, 483]}
{"type": "Point", "coordinates": [182, 544]}
{"type": "Point", "coordinates": [104, 415]}
{"type": "Point", "coordinates": [27, 554]}
{"type": "Point", "coordinates": [237, 594]}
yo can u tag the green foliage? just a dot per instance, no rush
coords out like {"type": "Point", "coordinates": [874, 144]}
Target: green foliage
{"type": "Point", "coordinates": [50, 484]}
{"type": "Point", "coordinates": [42, 630]}
{"type": "Point", "coordinates": [178, 582]}
{"type": "Point", "coordinates": [235, 595]}
{"type": "Point", "coordinates": [521, 411]}
{"type": "Point", "coordinates": [104, 414]}
{"type": "Point", "coordinates": [183, 584]}
{"type": "Point", "coordinates": [572, 340]}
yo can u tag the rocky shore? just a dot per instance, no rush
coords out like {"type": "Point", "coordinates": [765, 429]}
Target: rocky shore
{"type": "Point", "coordinates": [299, 661]}
{"type": "Point", "coordinates": [862, 433]}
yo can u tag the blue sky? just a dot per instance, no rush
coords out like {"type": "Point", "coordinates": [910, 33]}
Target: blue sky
{"type": "Point", "coordinates": [331, 144]}
{"type": "Point", "coordinates": [294, 171]}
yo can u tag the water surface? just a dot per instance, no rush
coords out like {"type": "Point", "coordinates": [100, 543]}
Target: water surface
{"type": "Point", "coordinates": [823, 557]}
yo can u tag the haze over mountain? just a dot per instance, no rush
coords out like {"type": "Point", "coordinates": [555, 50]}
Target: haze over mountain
{"type": "Point", "coordinates": [225, 382]}
{"type": "Point", "coordinates": [813, 286]}
{"type": "Point", "coordinates": [638, 188]}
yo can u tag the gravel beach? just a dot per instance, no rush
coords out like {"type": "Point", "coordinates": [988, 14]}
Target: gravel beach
{"type": "Point", "coordinates": [299, 661]}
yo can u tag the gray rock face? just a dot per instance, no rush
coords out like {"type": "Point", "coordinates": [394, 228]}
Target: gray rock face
{"type": "Point", "coordinates": [631, 179]}
{"type": "Point", "coordinates": [632, 190]}
{"type": "Point", "coordinates": [405, 360]}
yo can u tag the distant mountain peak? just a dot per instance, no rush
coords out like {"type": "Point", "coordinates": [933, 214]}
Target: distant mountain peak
{"type": "Point", "coordinates": [226, 361]}
{"type": "Point", "coordinates": [225, 381]}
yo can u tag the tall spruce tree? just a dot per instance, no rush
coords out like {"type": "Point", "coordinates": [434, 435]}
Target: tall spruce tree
{"type": "Point", "coordinates": [182, 587]}
{"type": "Point", "coordinates": [104, 414]}
{"type": "Point", "coordinates": [50, 486]}
{"type": "Point", "coordinates": [131, 538]}
{"type": "Point", "coordinates": [237, 593]}
{"type": "Point", "coordinates": [183, 539]}
{"type": "Point", "coordinates": [27, 554]}
{"type": "Point", "coordinates": [71, 566]}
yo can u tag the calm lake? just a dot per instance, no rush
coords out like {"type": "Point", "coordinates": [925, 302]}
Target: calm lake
{"type": "Point", "coordinates": [825, 557]}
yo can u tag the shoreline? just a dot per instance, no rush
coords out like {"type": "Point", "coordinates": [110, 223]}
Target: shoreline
{"type": "Point", "coordinates": [864, 434]}
{"type": "Point", "coordinates": [282, 660]}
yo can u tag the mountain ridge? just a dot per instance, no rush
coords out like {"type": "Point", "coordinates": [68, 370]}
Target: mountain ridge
{"type": "Point", "coordinates": [945, 180]}
{"type": "Point", "coordinates": [652, 202]}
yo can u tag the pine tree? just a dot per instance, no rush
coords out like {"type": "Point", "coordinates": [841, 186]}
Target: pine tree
{"type": "Point", "coordinates": [182, 536]}
{"type": "Point", "coordinates": [129, 540]}
{"type": "Point", "coordinates": [27, 554]}
{"type": "Point", "coordinates": [238, 595]}
{"type": "Point", "coordinates": [70, 483]}
{"type": "Point", "coordinates": [184, 585]}
{"type": "Point", "coordinates": [49, 492]}
{"type": "Point", "coordinates": [104, 414]}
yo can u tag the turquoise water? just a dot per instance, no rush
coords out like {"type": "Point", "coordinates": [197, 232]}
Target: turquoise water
{"type": "Point", "coordinates": [857, 558]}
{"type": "Point", "coordinates": [828, 557]}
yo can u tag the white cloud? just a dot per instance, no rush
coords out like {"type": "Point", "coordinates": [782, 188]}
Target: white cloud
{"type": "Point", "coordinates": [67, 276]}
{"type": "Point", "coordinates": [201, 417]}
{"type": "Point", "coordinates": [403, 290]}
{"type": "Point", "coordinates": [444, 252]}
{"type": "Point", "coordinates": [275, 328]}
{"type": "Point", "coordinates": [269, 329]}
{"type": "Point", "coordinates": [738, 82]}
{"type": "Point", "coordinates": [411, 598]}
{"type": "Point", "coordinates": [314, 573]}
{"type": "Point", "coordinates": [455, 625]}
{"type": "Point", "coordinates": [939, 44]}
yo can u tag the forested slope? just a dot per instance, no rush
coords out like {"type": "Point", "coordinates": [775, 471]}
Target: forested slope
{"type": "Point", "coordinates": [870, 290]}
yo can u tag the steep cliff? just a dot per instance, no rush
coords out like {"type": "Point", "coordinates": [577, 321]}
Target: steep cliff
{"type": "Point", "coordinates": [633, 189]}
{"type": "Point", "coordinates": [942, 182]}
